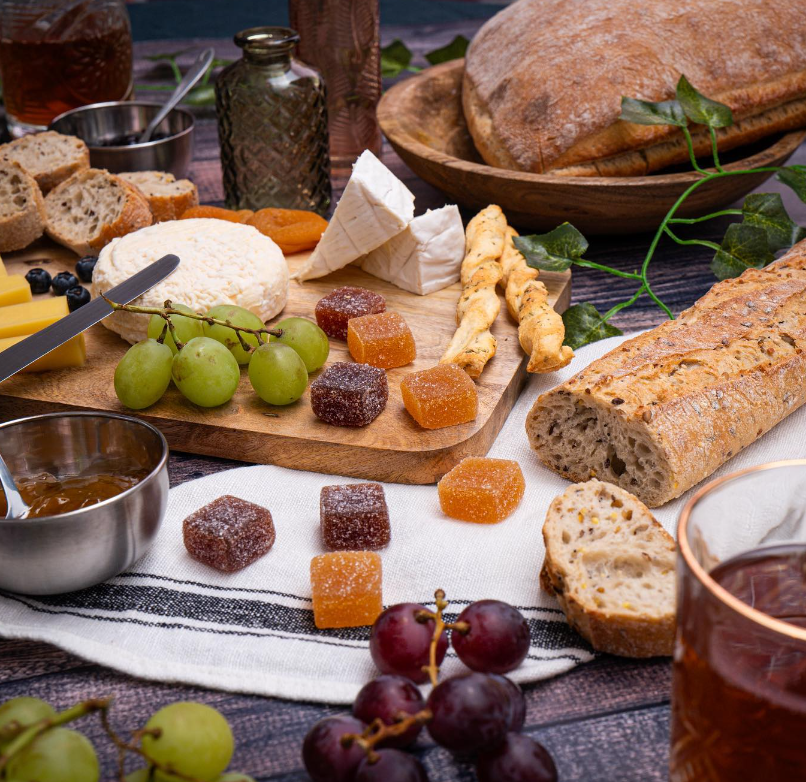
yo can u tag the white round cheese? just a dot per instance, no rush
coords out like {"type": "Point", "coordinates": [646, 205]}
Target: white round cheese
{"type": "Point", "coordinates": [220, 263]}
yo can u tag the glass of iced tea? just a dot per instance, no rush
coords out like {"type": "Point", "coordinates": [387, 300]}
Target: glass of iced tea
{"type": "Point", "coordinates": [739, 686]}
{"type": "Point", "coordinates": [57, 55]}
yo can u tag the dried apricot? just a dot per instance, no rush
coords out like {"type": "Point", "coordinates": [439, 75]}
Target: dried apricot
{"type": "Point", "coordinates": [294, 230]}
{"type": "Point", "coordinates": [218, 213]}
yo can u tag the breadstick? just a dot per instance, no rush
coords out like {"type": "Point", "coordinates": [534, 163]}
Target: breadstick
{"type": "Point", "coordinates": [541, 331]}
{"type": "Point", "coordinates": [473, 345]}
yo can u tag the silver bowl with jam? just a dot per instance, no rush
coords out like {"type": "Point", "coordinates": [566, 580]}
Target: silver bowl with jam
{"type": "Point", "coordinates": [115, 465]}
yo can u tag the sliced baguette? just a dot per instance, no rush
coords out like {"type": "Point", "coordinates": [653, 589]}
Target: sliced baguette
{"type": "Point", "coordinates": [92, 207]}
{"type": "Point", "coordinates": [48, 157]}
{"type": "Point", "coordinates": [169, 198]}
{"type": "Point", "coordinates": [611, 567]}
{"type": "Point", "coordinates": [22, 209]}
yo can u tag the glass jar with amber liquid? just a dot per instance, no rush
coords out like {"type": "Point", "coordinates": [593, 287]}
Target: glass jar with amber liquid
{"type": "Point", "coordinates": [57, 55]}
{"type": "Point", "coordinates": [272, 126]}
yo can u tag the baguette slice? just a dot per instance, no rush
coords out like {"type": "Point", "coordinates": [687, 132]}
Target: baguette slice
{"type": "Point", "coordinates": [22, 209]}
{"type": "Point", "coordinates": [48, 157]}
{"type": "Point", "coordinates": [92, 207]}
{"type": "Point", "coordinates": [611, 567]}
{"type": "Point", "coordinates": [168, 197]}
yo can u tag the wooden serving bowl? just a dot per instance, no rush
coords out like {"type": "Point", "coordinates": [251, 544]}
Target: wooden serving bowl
{"type": "Point", "coordinates": [422, 118]}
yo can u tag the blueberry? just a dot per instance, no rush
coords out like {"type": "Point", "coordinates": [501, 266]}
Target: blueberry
{"type": "Point", "coordinates": [63, 281]}
{"type": "Point", "coordinates": [77, 297]}
{"type": "Point", "coordinates": [39, 280]}
{"type": "Point", "coordinates": [84, 267]}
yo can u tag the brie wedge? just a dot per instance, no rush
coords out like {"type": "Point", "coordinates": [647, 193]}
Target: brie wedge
{"type": "Point", "coordinates": [374, 207]}
{"type": "Point", "coordinates": [424, 257]}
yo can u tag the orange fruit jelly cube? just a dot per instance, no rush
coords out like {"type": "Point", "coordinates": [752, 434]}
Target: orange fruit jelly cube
{"type": "Point", "coordinates": [384, 340]}
{"type": "Point", "coordinates": [443, 395]}
{"type": "Point", "coordinates": [346, 589]}
{"type": "Point", "coordinates": [482, 490]}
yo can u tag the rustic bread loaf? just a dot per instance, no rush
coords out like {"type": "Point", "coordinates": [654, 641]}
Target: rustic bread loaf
{"type": "Point", "coordinates": [544, 79]}
{"type": "Point", "coordinates": [92, 207]}
{"type": "Point", "coordinates": [168, 197]}
{"type": "Point", "coordinates": [611, 567]}
{"type": "Point", "coordinates": [22, 210]}
{"type": "Point", "coordinates": [48, 157]}
{"type": "Point", "coordinates": [663, 410]}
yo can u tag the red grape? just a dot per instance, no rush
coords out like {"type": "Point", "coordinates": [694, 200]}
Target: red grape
{"type": "Point", "coordinates": [498, 639]}
{"type": "Point", "coordinates": [518, 759]}
{"type": "Point", "coordinates": [392, 766]}
{"type": "Point", "coordinates": [385, 698]}
{"type": "Point", "coordinates": [471, 713]}
{"type": "Point", "coordinates": [325, 759]}
{"type": "Point", "coordinates": [400, 644]}
{"type": "Point", "coordinates": [517, 702]}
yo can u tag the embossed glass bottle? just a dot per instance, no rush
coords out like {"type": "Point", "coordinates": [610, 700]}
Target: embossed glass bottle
{"type": "Point", "coordinates": [272, 126]}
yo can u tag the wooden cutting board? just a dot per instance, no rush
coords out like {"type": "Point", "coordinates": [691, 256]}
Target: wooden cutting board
{"type": "Point", "coordinates": [392, 448]}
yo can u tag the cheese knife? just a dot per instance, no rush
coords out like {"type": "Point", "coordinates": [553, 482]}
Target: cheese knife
{"type": "Point", "coordinates": [19, 356]}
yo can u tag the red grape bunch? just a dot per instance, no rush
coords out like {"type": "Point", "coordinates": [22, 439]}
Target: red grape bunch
{"type": "Point", "coordinates": [477, 714]}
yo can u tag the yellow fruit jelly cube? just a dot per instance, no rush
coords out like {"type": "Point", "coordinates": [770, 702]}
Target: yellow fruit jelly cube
{"type": "Point", "coordinates": [14, 289]}
{"type": "Point", "coordinates": [72, 353]}
{"type": "Point", "coordinates": [482, 490]}
{"type": "Point", "coordinates": [384, 340]}
{"type": "Point", "coordinates": [23, 319]}
{"type": "Point", "coordinates": [443, 395]}
{"type": "Point", "coordinates": [346, 589]}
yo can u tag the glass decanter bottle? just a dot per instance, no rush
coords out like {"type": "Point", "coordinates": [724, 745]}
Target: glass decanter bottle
{"type": "Point", "coordinates": [272, 126]}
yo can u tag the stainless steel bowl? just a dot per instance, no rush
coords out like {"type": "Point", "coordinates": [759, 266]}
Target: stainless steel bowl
{"type": "Point", "coordinates": [106, 121]}
{"type": "Point", "coordinates": [48, 555]}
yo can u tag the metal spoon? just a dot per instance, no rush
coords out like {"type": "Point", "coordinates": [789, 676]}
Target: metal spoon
{"type": "Point", "coordinates": [195, 72]}
{"type": "Point", "coordinates": [17, 507]}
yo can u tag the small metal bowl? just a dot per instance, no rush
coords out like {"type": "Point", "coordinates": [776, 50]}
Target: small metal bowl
{"type": "Point", "coordinates": [106, 121]}
{"type": "Point", "coordinates": [53, 554]}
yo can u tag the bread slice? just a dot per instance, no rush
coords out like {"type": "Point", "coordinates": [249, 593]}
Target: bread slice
{"type": "Point", "coordinates": [22, 209]}
{"type": "Point", "coordinates": [48, 157]}
{"type": "Point", "coordinates": [611, 567]}
{"type": "Point", "coordinates": [168, 197]}
{"type": "Point", "coordinates": [92, 207]}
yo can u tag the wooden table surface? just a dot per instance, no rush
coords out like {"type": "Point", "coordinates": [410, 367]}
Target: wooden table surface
{"type": "Point", "coordinates": [606, 721]}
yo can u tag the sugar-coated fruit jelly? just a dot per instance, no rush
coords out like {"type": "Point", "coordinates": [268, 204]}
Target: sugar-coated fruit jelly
{"type": "Point", "coordinates": [441, 396]}
{"type": "Point", "coordinates": [482, 490]}
{"type": "Point", "coordinates": [346, 589]}
{"type": "Point", "coordinates": [349, 394]}
{"type": "Point", "coordinates": [354, 517]}
{"type": "Point", "coordinates": [335, 310]}
{"type": "Point", "coordinates": [384, 340]}
{"type": "Point", "coordinates": [229, 533]}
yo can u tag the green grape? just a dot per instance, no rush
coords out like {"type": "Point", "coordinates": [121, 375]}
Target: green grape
{"type": "Point", "coordinates": [141, 775]}
{"type": "Point", "coordinates": [58, 755]}
{"type": "Point", "coordinates": [235, 776]}
{"type": "Point", "coordinates": [186, 328]}
{"type": "Point", "coordinates": [238, 316]}
{"type": "Point", "coordinates": [143, 374]}
{"type": "Point", "coordinates": [196, 740]}
{"type": "Point", "coordinates": [205, 372]}
{"type": "Point", "coordinates": [306, 338]}
{"type": "Point", "coordinates": [278, 374]}
{"type": "Point", "coordinates": [24, 711]}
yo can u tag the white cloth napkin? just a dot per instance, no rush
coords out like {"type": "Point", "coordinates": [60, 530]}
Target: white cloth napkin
{"type": "Point", "coordinates": [173, 619]}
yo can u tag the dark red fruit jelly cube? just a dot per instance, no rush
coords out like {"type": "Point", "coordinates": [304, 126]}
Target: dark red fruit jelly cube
{"type": "Point", "coordinates": [334, 310]}
{"type": "Point", "coordinates": [354, 517]}
{"type": "Point", "coordinates": [349, 394]}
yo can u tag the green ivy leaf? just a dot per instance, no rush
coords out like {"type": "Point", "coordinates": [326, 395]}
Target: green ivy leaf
{"type": "Point", "coordinates": [396, 58]}
{"type": "Point", "coordinates": [744, 247]}
{"type": "Point", "coordinates": [644, 112]}
{"type": "Point", "coordinates": [794, 177]}
{"type": "Point", "coordinates": [455, 50]}
{"type": "Point", "coordinates": [583, 325]}
{"type": "Point", "coordinates": [767, 211]}
{"type": "Point", "coordinates": [700, 109]}
{"type": "Point", "coordinates": [554, 251]}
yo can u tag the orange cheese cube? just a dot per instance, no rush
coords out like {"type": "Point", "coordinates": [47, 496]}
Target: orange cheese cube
{"type": "Point", "coordinates": [22, 319]}
{"type": "Point", "coordinates": [14, 289]}
{"type": "Point", "coordinates": [72, 353]}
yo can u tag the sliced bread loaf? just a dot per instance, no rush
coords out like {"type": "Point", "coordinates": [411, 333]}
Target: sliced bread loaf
{"type": "Point", "coordinates": [92, 207]}
{"type": "Point", "coordinates": [611, 567]}
{"type": "Point", "coordinates": [22, 209]}
{"type": "Point", "coordinates": [48, 157]}
{"type": "Point", "coordinates": [169, 198]}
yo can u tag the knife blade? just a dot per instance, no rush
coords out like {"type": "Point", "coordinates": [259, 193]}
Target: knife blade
{"type": "Point", "coordinates": [19, 356]}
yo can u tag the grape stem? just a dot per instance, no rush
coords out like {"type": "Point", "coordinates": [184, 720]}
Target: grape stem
{"type": "Point", "coordinates": [167, 310]}
{"type": "Point", "coordinates": [378, 731]}
{"type": "Point", "coordinates": [432, 669]}
{"type": "Point", "coordinates": [30, 733]}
